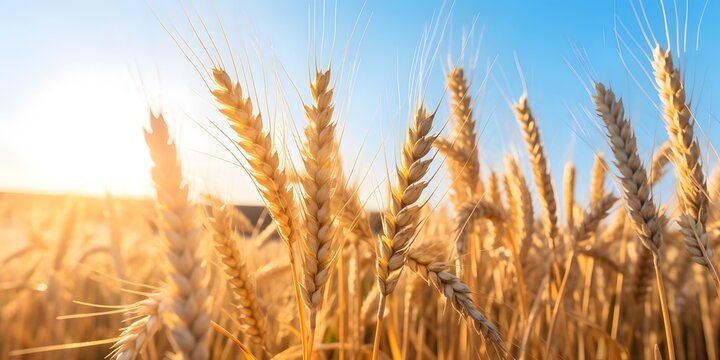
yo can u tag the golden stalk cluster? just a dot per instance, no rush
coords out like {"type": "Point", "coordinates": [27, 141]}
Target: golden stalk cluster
{"type": "Point", "coordinates": [483, 276]}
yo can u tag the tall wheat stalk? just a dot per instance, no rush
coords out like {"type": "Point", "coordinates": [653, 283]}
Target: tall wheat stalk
{"type": "Point", "coordinates": [546, 194]}
{"type": "Point", "coordinates": [569, 195]}
{"type": "Point", "coordinates": [686, 155]}
{"type": "Point", "coordinates": [270, 179]}
{"type": "Point", "coordinates": [462, 152]}
{"type": "Point", "coordinates": [401, 218]}
{"type": "Point", "coordinates": [319, 181]}
{"type": "Point", "coordinates": [146, 319]}
{"type": "Point", "coordinates": [226, 239]}
{"type": "Point", "coordinates": [189, 319]}
{"type": "Point", "coordinates": [640, 207]}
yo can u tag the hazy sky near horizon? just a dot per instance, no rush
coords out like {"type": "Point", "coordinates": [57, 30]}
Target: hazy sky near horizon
{"type": "Point", "coordinates": [76, 78]}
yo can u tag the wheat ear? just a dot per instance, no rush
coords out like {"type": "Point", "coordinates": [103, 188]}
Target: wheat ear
{"type": "Point", "coordinates": [448, 149]}
{"type": "Point", "coordinates": [661, 157]}
{"type": "Point", "coordinates": [592, 217]}
{"type": "Point", "coordinates": [353, 216]}
{"type": "Point", "coordinates": [318, 182]}
{"type": "Point", "coordinates": [270, 179]}
{"type": "Point", "coordinates": [458, 293]}
{"type": "Point", "coordinates": [190, 320]}
{"type": "Point", "coordinates": [638, 201]}
{"type": "Point", "coordinates": [467, 217]}
{"type": "Point", "coordinates": [523, 204]}
{"type": "Point", "coordinates": [569, 194]}
{"type": "Point", "coordinates": [147, 318]}
{"type": "Point", "coordinates": [401, 219]}
{"type": "Point", "coordinates": [258, 149]}
{"type": "Point", "coordinates": [597, 178]}
{"type": "Point", "coordinates": [686, 154]}
{"type": "Point", "coordinates": [226, 243]}
{"type": "Point", "coordinates": [641, 209]}
{"type": "Point", "coordinates": [466, 172]}
{"type": "Point", "coordinates": [546, 194]}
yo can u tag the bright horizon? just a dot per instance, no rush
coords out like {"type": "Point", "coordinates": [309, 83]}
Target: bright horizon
{"type": "Point", "coordinates": [76, 81]}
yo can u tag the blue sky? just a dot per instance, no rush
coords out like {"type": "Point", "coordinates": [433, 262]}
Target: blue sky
{"type": "Point", "coordinates": [76, 78]}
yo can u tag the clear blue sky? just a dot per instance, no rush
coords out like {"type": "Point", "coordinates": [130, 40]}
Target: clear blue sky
{"type": "Point", "coordinates": [76, 77]}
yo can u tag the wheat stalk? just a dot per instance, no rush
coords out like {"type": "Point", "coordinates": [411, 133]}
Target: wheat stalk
{"type": "Point", "coordinates": [569, 194]}
{"type": "Point", "coordinates": [436, 273]}
{"type": "Point", "coordinates": [546, 194]}
{"type": "Point", "coordinates": [597, 178]}
{"type": "Point", "coordinates": [466, 170]}
{"type": "Point", "coordinates": [641, 209]}
{"type": "Point", "coordinates": [686, 154]}
{"type": "Point", "coordinates": [468, 216]}
{"type": "Point", "coordinates": [661, 157]}
{"type": "Point", "coordinates": [147, 320]}
{"type": "Point", "coordinates": [226, 243]}
{"type": "Point", "coordinates": [270, 179]}
{"type": "Point", "coordinates": [592, 217]}
{"type": "Point", "coordinates": [189, 319]}
{"type": "Point", "coordinates": [318, 182]}
{"type": "Point", "coordinates": [401, 219]}
{"type": "Point", "coordinates": [524, 205]}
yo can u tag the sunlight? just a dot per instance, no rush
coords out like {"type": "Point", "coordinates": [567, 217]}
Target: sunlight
{"type": "Point", "coordinates": [83, 132]}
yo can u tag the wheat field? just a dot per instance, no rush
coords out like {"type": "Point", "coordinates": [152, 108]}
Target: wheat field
{"type": "Point", "coordinates": [462, 261]}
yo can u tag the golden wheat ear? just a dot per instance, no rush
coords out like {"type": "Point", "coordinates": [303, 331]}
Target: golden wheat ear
{"type": "Point", "coordinates": [463, 161]}
{"type": "Point", "coordinates": [256, 144]}
{"type": "Point", "coordinates": [147, 320]}
{"type": "Point", "coordinates": [686, 156]}
{"type": "Point", "coordinates": [264, 166]}
{"type": "Point", "coordinates": [437, 273]}
{"type": "Point", "coordinates": [546, 193]}
{"type": "Point", "coordinates": [188, 318]}
{"type": "Point", "coordinates": [402, 217]}
{"type": "Point", "coordinates": [644, 216]}
{"type": "Point", "coordinates": [633, 177]}
{"type": "Point", "coordinates": [226, 240]}
{"type": "Point", "coordinates": [319, 183]}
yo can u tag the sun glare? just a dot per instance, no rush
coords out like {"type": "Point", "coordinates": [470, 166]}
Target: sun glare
{"type": "Point", "coordinates": [85, 132]}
